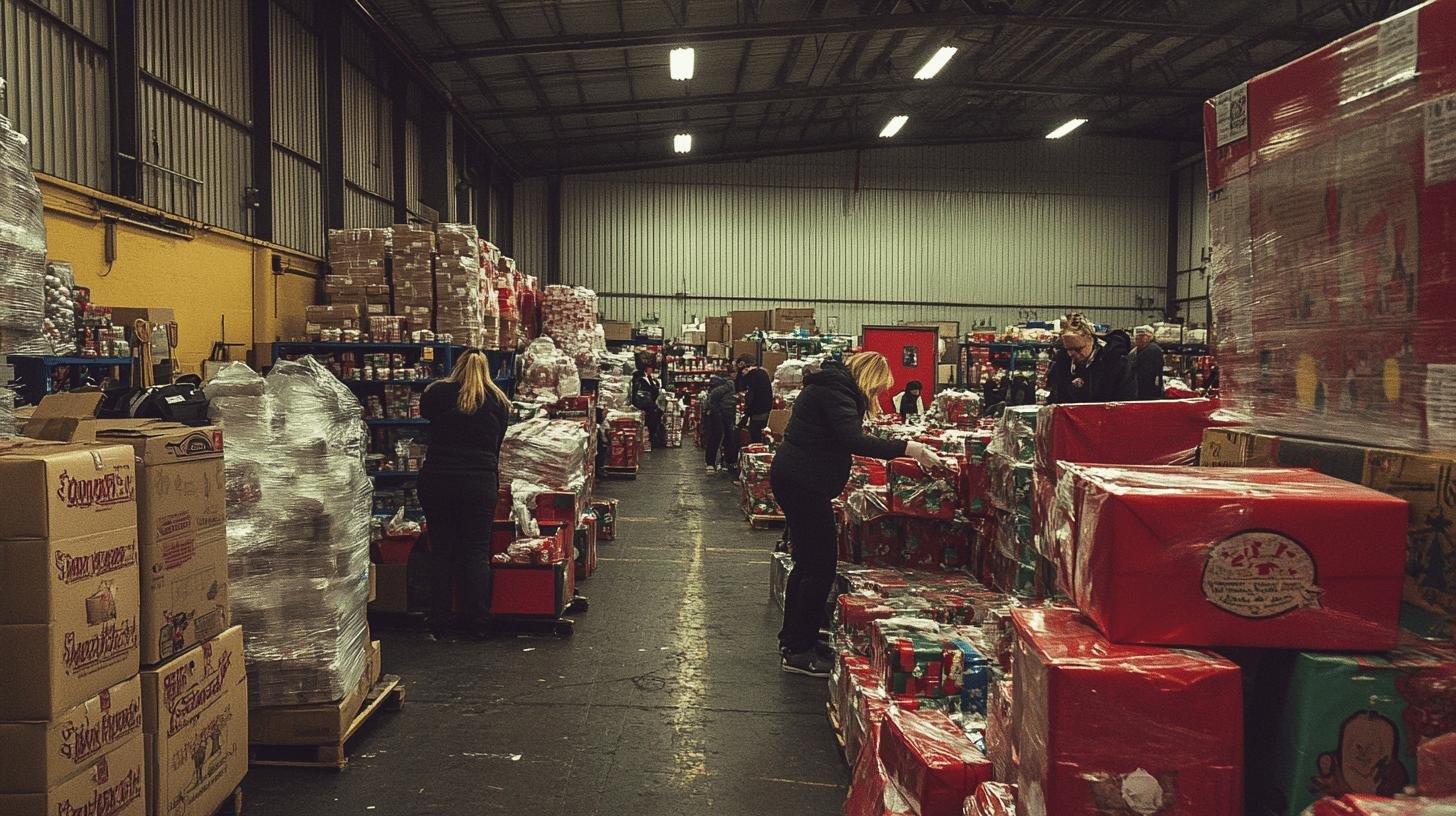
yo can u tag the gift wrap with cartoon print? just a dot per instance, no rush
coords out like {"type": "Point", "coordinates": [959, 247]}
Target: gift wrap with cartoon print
{"type": "Point", "coordinates": [1334, 724]}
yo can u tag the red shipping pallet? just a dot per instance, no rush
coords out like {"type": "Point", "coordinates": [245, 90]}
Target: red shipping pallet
{"type": "Point", "coordinates": [1104, 729]}
{"type": "Point", "coordinates": [1162, 432]}
{"type": "Point", "coordinates": [528, 590]}
{"type": "Point", "coordinates": [1274, 558]}
{"type": "Point", "coordinates": [930, 761]}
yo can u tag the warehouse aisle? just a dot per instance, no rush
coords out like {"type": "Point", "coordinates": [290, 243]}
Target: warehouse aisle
{"type": "Point", "coordinates": [668, 700]}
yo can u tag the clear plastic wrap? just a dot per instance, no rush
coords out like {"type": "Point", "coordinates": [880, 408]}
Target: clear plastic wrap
{"type": "Point", "coordinates": [551, 453]}
{"type": "Point", "coordinates": [547, 374]}
{"type": "Point", "coordinates": [22, 246]}
{"type": "Point", "coordinates": [7, 412]}
{"type": "Point", "coordinates": [539, 550]}
{"type": "Point", "coordinates": [930, 762]}
{"type": "Point", "coordinates": [788, 377]}
{"type": "Point", "coordinates": [1106, 728]}
{"type": "Point", "coordinates": [625, 432]}
{"type": "Point", "coordinates": [298, 528]}
{"type": "Point", "coordinates": [992, 799]}
{"type": "Point", "coordinates": [614, 391]}
{"type": "Point", "coordinates": [569, 316]}
{"type": "Point", "coordinates": [1355, 804]}
{"type": "Point", "coordinates": [1332, 216]}
{"type": "Point", "coordinates": [914, 491]}
{"type": "Point", "coordinates": [457, 284]}
{"type": "Point", "coordinates": [60, 308]}
{"type": "Point", "coordinates": [755, 491]}
{"type": "Point", "coordinates": [1270, 558]}
{"type": "Point", "coordinates": [1015, 434]}
{"type": "Point", "coordinates": [958, 408]}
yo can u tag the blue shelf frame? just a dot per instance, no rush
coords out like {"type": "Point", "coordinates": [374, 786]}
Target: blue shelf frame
{"type": "Point", "coordinates": [34, 372]}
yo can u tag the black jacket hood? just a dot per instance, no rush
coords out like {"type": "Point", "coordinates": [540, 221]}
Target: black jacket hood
{"type": "Point", "coordinates": [715, 381]}
{"type": "Point", "coordinates": [834, 374]}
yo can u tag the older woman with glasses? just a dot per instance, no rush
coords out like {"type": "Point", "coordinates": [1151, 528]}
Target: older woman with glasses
{"type": "Point", "coordinates": [1087, 368]}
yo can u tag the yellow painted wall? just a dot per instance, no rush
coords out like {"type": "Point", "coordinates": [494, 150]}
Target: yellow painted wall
{"type": "Point", "coordinates": [204, 278]}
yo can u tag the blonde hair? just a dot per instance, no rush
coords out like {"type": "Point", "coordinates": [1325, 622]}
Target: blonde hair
{"type": "Point", "coordinates": [871, 373]}
{"type": "Point", "coordinates": [1077, 323]}
{"type": "Point", "coordinates": [472, 374]}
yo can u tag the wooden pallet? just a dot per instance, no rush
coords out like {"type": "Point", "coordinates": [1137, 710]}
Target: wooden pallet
{"type": "Point", "coordinates": [837, 728]}
{"type": "Point", "coordinates": [623, 472]}
{"type": "Point", "coordinates": [758, 522]}
{"type": "Point", "coordinates": [388, 694]}
{"type": "Point", "coordinates": [232, 806]}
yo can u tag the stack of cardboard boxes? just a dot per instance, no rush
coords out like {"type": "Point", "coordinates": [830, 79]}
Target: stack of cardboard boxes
{"type": "Point", "coordinates": [414, 285]}
{"type": "Point", "coordinates": [457, 284]}
{"type": "Point", "coordinates": [166, 562]}
{"type": "Point", "coordinates": [357, 273]}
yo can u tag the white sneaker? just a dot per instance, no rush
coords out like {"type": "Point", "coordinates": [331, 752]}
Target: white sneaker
{"type": "Point", "coordinates": [712, 469]}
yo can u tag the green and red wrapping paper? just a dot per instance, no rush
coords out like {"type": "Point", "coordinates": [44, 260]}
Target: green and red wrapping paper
{"type": "Point", "coordinates": [1361, 805]}
{"type": "Point", "coordinates": [755, 491]}
{"type": "Point", "coordinates": [914, 491]}
{"type": "Point", "coordinates": [1270, 558]}
{"type": "Point", "coordinates": [1128, 730]}
{"type": "Point", "coordinates": [930, 761]}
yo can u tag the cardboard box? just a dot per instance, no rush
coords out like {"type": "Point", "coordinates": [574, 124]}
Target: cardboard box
{"type": "Point", "coordinates": [1186, 754]}
{"type": "Point", "coordinates": [745, 348]}
{"type": "Point", "coordinates": [59, 490]}
{"type": "Point", "coordinates": [778, 421]}
{"type": "Point", "coordinates": [693, 338]}
{"type": "Point", "coordinates": [113, 785]}
{"type": "Point", "coordinates": [718, 330]}
{"type": "Point", "coordinates": [717, 351]}
{"type": "Point", "coordinates": [69, 612]}
{"type": "Point", "coordinates": [617, 330]}
{"type": "Point", "coordinates": [747, 322]}
{"type": "Point", "coordinates": [392, 594]}
{"type": "Point", "coordinates": [65, 417]}
{"type": "Point", "coordinates": [41, 755]}
{"type": "Point", "coordinates": [787, 320]}
{"type": "Point", "coordinates": [1236, 447]}
{"type": "Point", "coordinates": [182, 528]}
{"type": "Point", "coordinates": [945, 374]}
{"type": "Point", "coordinates": [322, 724]}
{"type": "Point", "coordinates": [1268, 558]}
{"type": "Point", "coordinates": [195, 718]}
{"type": "Point", "coordinates": [373, 583]}
{"type": "Point", "coordinates": [771, 360]}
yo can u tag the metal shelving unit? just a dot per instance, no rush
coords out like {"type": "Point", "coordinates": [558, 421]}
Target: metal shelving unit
{"type": "Point", "coordinates": [34, 373]}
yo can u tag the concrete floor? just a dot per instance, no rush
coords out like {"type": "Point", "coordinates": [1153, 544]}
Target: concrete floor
{"type": "Point", "coordinates": [668, 700]}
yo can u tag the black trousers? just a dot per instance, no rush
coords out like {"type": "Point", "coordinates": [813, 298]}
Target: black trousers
{"type": "Point", "coordinates": [460, 512]}
{"type": "Point", "coordinates": [755, 429]}
{"type": "Point", "coordinates": [808, 513]}
{"type": "Point", "coordinates": [718, 439]}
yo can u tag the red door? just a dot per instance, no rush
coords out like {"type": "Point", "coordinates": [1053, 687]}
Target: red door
{"type": "Point", "coordinates": [911, 351]}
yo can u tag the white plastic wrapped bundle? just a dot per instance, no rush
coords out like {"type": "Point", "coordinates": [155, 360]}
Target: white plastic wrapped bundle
{"type": "Point", "coordinates": [22, 246]}
{"type": "Point", "coordinates": [789, 376]}
{"type": "Point", "coordinates": [547, 374]}
{"type": "Point", "coordinates": [298, 528]}
{"type": "Point", "coordinates": [614, 391]}
{"type": "Point", "coordinates": [60, 310]}
{"type": "Point", "coordinates": [569, 316]}
{"type": "Point", "coordinates": [552, 453]}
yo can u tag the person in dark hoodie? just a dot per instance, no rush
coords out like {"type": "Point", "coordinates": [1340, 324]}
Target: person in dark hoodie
{"type": "Point", "coordinates": [910, 404]}
{"type": "Point", "coordinates": [757, 385]}
{"type": "Point", "coordinates": [645, 390]}
{"type": "Point", "coordinates": [718, 416]}
{"type": "Point", "coordinates": [1088, 369]}
{"type": "Point", "coordinates": [809, 469]}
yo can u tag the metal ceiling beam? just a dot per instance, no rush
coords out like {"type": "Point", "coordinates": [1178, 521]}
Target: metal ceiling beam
{"type": "Point", "coordinates": [698, 35]}
{"type": "Point", "coordinates": [847, 89]}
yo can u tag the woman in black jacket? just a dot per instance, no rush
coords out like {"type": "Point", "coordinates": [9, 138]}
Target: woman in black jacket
{"type": "Point", "coordinates": [810, 468]}
{"type": "Point", "coordinates": [459, 484]}
{"type": "Point", "coordinates": [1088, 369]}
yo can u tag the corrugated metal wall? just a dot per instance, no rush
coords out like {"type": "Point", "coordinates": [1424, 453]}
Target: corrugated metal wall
{"type": "Point", "coordinates": [368, 145]}
{"type": "Point", "coordinates": [297, 181]}
{"type": "Point", "coordinates": [413, 178]}
{"type": "Point", "coordinates": [1192, 237]}
{"type": "Point", "coordinates": [196, 109]}
{"type": "Point", "coordinates": [56, 69]}
{"type": "Point", "coordinates": [1009, 230]}
{"type": "Point", "coordinates": [529, 224]}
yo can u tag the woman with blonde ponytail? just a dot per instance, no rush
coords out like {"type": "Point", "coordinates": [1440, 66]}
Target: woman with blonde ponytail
{"type": "Point", "coordinates": [458, 484]}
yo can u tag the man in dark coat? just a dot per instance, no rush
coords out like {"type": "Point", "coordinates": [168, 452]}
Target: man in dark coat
{"type": "Point", "coordinates": [1147, 364]}
{"type": "Point", "coordinates": [1090, 369]}
{"type": "Point", "coordinates": [755, 383]}
{"type": "Point", "coordinates": [718, 419]}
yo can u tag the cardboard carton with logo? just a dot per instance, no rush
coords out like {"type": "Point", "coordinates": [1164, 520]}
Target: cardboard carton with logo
{"type": "Point", "coordinates": [41, 755]}
{"type": "Point", "coordinates": [195, 714]}
{"type": "Point", "coordinates": [69, 582]}
{"type": "Point", "coordinates": [112, 784]}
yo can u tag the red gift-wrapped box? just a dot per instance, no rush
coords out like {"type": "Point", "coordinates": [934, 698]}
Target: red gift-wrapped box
{"type": "Point", "coordinates": [1103, 728]}
{"type": "Point", "coordinates": [1355, 804]}
{"type": "Point", "coordinates": [1436, 766]}
{"type": "Point", "coordinates": [1000, 731]}
{"type": "Point", "coordinates": [868, 703]}
{"type": "Point", "coordinates": [606, 510]}
{"type": "Point", "coordinates": [870, 791]}
{"type": "Point", "coordinates": [992, 799]}
{"type": "Point", "coordinates": [930, 761]}
{"type": "Point", "coordinates": [1159, 432]}
{"type": "Point", "coordinates": [923, 494]}
{"type": "Point", "coordinates": [585, 547]}
{"type": "Point", "coordinates": [1274, 558]}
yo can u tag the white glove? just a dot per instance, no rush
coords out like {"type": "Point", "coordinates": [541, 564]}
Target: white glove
{"type": "Point", "coordinates": [924, 454]}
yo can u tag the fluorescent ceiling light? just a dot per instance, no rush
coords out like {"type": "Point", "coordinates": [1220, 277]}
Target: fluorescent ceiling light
{"type": "Point", "coordinates": [933, 65]}
{"type": "Point", "coordinates": [893, 126]}
{"type": "Point", "coordinates": [1066, 127]}
{"type": "Point", "coordinates": [681, 63]}
{"type": "Point", "coordinates": [682, 143]}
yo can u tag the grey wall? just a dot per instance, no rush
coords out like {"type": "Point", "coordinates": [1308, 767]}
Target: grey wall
{"type": "Point", "coordinates": [977, 234]}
